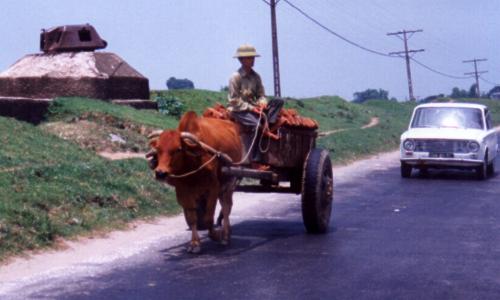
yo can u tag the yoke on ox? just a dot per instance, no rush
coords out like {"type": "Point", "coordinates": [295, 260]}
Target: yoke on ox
{"type": "Point", "coordinates": [202, 159]}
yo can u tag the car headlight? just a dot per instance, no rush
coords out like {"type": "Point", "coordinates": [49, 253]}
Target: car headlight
{"type": "Point", "coordinates": [473, 146]}
{"type": "Point", "coordinates": [409, 145]}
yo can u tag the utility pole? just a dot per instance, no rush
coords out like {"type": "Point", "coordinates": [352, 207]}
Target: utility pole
{"type": "Point", "coordinates": [407, 55]}
{"type": "Point", "coordinates": [476, 73]}
{"type": "Point", "coordinates": [276, 63]}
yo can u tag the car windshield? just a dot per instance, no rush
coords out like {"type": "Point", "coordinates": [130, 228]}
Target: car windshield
{"type": "Point", "coordinates": [450, 117]}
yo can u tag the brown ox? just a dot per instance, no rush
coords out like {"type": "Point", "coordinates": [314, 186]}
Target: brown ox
{"type": "Point", "coordinates": [199, 191]}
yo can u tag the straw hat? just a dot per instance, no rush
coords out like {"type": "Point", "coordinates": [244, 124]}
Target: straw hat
{"type": "Point", "coordinates": [246, 50]}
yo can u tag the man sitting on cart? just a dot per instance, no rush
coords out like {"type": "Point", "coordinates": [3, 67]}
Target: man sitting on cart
{"type": "Point", "coordinates": [247, 101]}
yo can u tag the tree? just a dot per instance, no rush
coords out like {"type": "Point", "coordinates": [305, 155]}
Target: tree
{"type": "Point", "coordinates": [177, 84]}
{"type": "Point", "coordinates": [458, 93]}
{"type": "Point", "coordinates": [431, 98]}
{"type": "Point", "coordinates": [494, 93]}
{"type": "Point", "coordinates": [473, 91]}
{"type": "Point", "coordinates": [360, 97]}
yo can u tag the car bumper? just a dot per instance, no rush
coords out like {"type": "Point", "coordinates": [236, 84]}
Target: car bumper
{"type": "Point", "coordinates": [420, 159]}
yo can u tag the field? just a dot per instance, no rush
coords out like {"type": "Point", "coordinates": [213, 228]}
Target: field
{"type": "Point", "coordinates": [54, 185]}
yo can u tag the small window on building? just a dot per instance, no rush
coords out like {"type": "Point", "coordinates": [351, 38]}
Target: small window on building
{"type": "Point", "coordinates": [84, 35]}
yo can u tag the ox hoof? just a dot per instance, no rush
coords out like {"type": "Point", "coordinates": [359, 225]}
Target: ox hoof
{"type": "Point", "coordinates": [215, 235]}
{"type": "Point", "coordinates": [224, 242]}
{"type": "Point", "coordinates": [193, 249]}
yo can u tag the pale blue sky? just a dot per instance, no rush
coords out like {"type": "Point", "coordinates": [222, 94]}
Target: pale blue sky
{"type": "Point", "coordinates": [196, 39]}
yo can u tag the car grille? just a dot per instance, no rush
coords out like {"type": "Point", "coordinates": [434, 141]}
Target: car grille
{"type": "Point", "coordinates": [441, 146]}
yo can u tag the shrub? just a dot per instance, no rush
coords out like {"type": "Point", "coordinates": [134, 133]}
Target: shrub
{"type": "Point", "coordinates": [170, 106]}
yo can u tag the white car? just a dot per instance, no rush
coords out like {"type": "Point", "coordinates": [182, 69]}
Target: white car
{"type": "Point", "coordinates": [449, 135]}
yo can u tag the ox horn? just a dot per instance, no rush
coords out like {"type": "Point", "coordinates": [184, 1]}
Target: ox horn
{"type": "Point", "coordinates": [150, 153]}
{"type": "Point", "coordinates": [189, 137]}
{"type": "Point", "coordinates": [154, 134]}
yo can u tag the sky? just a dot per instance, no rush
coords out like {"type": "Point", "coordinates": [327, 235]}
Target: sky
{"type": "Point", "coordinates": [196, 39]}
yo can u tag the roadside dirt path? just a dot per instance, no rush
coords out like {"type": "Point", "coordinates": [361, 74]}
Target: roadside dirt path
{"type": "Point", "coordinates": [121, 155]}
{"type": "Point", "coordinates": [373, 122]}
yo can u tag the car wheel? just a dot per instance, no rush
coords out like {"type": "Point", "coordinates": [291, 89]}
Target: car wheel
{"type": "Point", "coordinates": [424, 171]}
{"type": "Point", "coordinates": [482, 170]}
{"type": "Point", "coordinates": [491, 168]}
{"type": "Point", "coordinates": [406, 170]}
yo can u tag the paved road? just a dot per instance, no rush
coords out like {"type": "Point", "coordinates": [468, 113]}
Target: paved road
{"type": "Point", "coordinates": [428, 237]}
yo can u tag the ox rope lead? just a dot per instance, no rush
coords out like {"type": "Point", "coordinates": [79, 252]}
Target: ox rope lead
{"type": "Point", "coordinates": [253, 141]}
{"type": "Point", "coordinates": [197, 170]}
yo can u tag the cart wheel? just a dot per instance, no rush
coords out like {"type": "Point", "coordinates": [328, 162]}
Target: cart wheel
{"type": "Point", "coordinates": [296, 180]}
{"type": "Point", "coordinates": [317, 191]}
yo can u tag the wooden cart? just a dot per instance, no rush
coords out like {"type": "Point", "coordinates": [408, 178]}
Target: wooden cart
{"type": "Point", "coordinates": [295, 159]}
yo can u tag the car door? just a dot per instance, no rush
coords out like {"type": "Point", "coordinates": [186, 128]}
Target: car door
{"type": "Point", "coordinates": [491, 136]}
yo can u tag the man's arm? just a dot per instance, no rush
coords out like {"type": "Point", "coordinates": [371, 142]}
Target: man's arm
{"type": "Point", "coordinates": [234, 96]}
{"type": "Point", "coordinates": [261, 94]}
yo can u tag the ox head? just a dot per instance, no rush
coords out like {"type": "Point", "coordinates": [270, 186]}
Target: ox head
{"type": "Point", "coordinates": [174, 154]}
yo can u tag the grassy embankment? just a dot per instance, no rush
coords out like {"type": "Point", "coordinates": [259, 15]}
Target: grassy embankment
{"type": "Point", "coordinates": [54, 185]}
{"type": "Point", "coordinates": [52, 188]}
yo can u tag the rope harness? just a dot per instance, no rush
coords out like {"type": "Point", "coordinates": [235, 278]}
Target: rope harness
{"type": "Point", "coordinates": [208, 149]}
{"type": "Point", "coordinates": [194, 171]}
{"type": "Point", "coordinates": [254, 139]}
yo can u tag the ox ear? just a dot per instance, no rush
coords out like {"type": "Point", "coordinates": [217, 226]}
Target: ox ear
{"type": "Point", "coordinates": [191, 148]}
{"type": "Point", "coordinates": [189, 122]}
{"type": "Point", "coordinates": [153, 143]}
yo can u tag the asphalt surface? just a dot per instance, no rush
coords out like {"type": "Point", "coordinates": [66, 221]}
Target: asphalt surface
{"type": "Point", "coordinates": [433, 236]}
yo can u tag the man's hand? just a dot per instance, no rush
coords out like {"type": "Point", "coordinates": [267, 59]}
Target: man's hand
{"type": "Point", "coordinates": [259, 108]}
{"type": "Point", "coordinates": [247, 93]}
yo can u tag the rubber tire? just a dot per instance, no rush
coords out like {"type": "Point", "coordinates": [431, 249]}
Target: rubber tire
{"type": "Point", "coordinates": [482, 170]}
{"type": "Point", "coordinates": [406, 170]}
{"type": "Point", "coordinates": [317, 191]}
{"type": "Point", "coordinates": [491, 168]}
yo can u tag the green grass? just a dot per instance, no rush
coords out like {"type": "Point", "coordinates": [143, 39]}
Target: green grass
{"type": "Point", "coordinates": [51, 188]}
{"type": "Point", "coordinates": [67, 109]}
{"type": "Point", "coordinates": [196, 100]}
{"type": "Point", "coordinates": [349, 145]}
{"type": "Point", "coordinates": [331, 112]}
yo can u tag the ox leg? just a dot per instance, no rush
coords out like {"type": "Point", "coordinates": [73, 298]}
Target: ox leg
{"type": "Point", "coordinates": [195, 244]}
{"type": "Point", "coordinates": [227, 205]}
{"type": "Point", "coordinates": [226, 211]}
{"type": "Point", "coordinates": [214, 234]}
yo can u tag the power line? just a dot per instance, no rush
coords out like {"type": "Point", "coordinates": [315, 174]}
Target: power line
{"type": "Point", "coordinates": [274, 36]}
{"type": "Point", "coordinates": [438, 72]}
{"type": "Point", "coordinates": [407, 55]}
{"type": "Point", "coordinates": [476, 72]}
{"type": "Point", "coordinates": [487, 81]}
{"type": "Point", "coordinates": [276, 64]}
{"type": "Point", "coordinates": [333, 32]}
{"type": "Point", "coordinates": [302, 12]}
